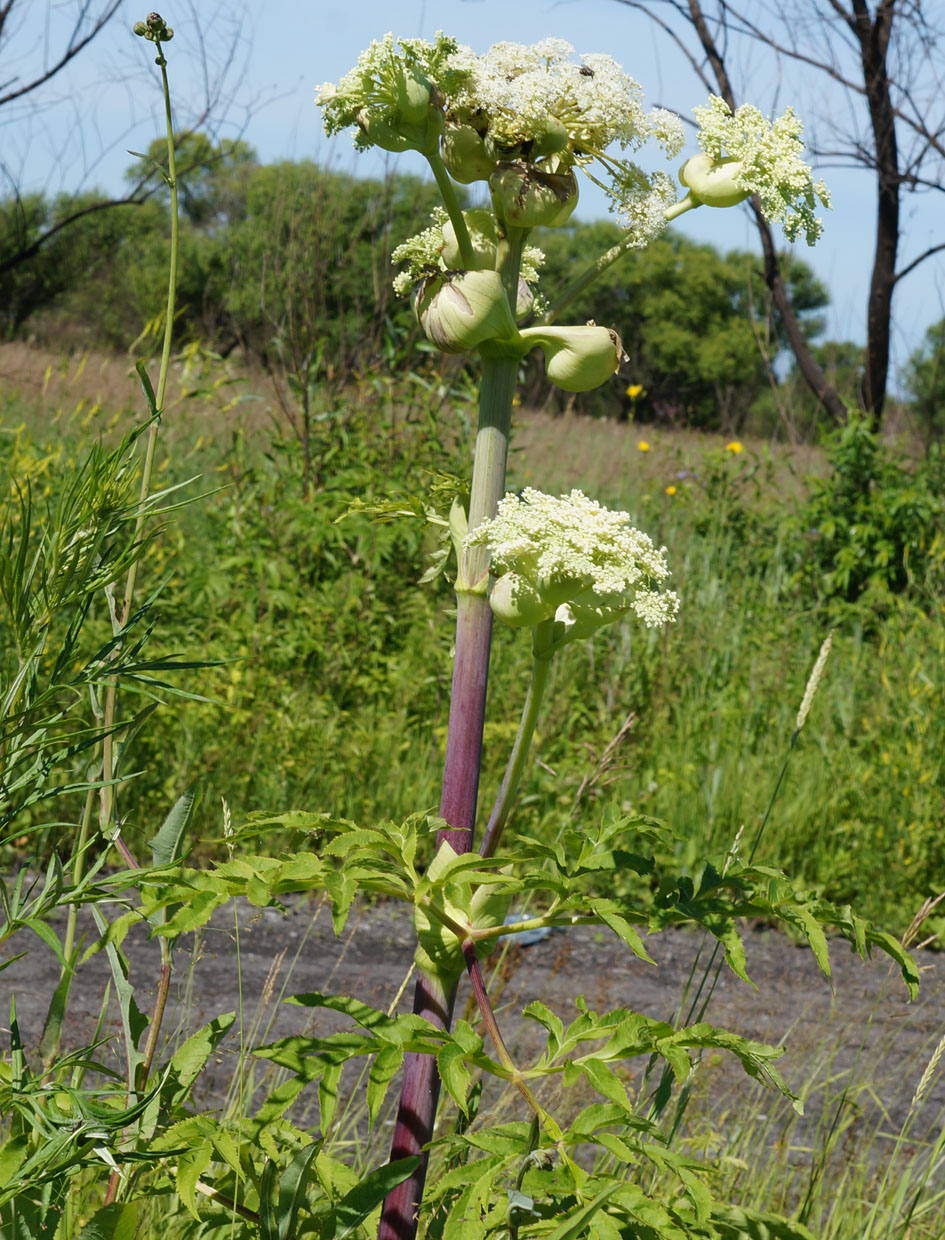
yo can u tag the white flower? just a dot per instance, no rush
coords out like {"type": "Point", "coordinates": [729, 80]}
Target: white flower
{"type": "Point", "coordinates": [764, 158]}
{"type": "Point", "coordinates": [572, 560]}
{"type": "Point", "coordinates": [642, 201]}
{"type": "Point", "coordinates": [513, 89]}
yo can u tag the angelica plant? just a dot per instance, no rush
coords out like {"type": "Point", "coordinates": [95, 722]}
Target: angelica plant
{"type": "Point", "coordinates": [527, 121]}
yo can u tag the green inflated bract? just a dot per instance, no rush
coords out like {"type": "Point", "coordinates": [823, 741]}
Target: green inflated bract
{"type": "Point", "coordinates": [459, 311]}
{"type": "Point", "coordinates": [526, 196]}
{"type": "Point", "coordinates": [577, 359]}
{"type": "Point", "coordinates": [480, 224]}
{"type": "Point", "coordinates": [713, 182]}
{"type": "Point", "coordinates": [465, 155]}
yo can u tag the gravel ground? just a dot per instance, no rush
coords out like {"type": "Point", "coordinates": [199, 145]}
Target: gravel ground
{"type": "Point", "coordinates": [861, 1021]}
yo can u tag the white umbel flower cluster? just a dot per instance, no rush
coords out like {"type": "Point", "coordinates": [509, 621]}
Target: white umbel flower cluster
{"type": "Point", "coordinates": [571, 560]}
{"type": "Point", "coordinates": [517, 88]}
{"type": "Point", "coordinates": [765, 158]}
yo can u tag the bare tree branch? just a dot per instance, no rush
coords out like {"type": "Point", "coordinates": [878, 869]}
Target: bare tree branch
{"type": "Point", "coordinates": [77, 42]}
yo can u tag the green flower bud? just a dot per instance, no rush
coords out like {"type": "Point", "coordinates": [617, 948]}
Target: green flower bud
{"type": "Point", "coordinates": [554, 140]}
{"type": "Point", "coordinates": [464, 154]}
{"type": "Point", "coordinates": [412, 95]}
{"type": "Point", "coordinates": [577, 359]}
{"type": "Point", "coordinates": [481, 225]}
{"type": "Point", "coordinates": [382, 133]}
{"type": "Point", "coordinates": [140, 29]}
{"type": "Point", "coordinates": [712, 182]}
{"type": "Point", "coordinates": [459, 311]}
{"type": "Point", "coordinates": [525, 196]}
{"type": "Point", "coordinates": [400, 136]}
{"type": "Point", "coordinates": [515, 601]}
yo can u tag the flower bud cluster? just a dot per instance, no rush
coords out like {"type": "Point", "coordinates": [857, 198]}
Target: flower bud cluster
{"type": "Point", "coordinates": [574, 562]}
{"type": "Point", "coordinates": [744, 154]}
{"type": "Point", "coordinates": [154, 29]}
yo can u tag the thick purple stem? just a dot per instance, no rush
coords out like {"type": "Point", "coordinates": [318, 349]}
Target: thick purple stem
{"type": "Point", "coordinates": [467, 713]}
{"type": "Point", "coordinates": [416, 1114]}
{"type": "Point", "coordinates": [433, 999]}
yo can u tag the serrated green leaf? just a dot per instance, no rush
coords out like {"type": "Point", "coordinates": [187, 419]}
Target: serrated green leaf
{"type": "Point", "coordinates": [737, 1223]}
{"type": "Point", "coordinates": [606, 1082]}
{"type": "Point", "coordinates": [190, 1166]}
{"type": "Point", "coordinates": [465, 1218]}
{"type": "Point", "coordinates": [608, 914]}
{"type": "Point", "coordinates": [454, 1074]}
{"type": "Point", "coordinates": [809, 925]}
{"type": "Point", "coordinates": [328, 1093]}
{"type": "Point", "coordinates": [572, 1227]}
{"type": "Point", "coordinates": [277, 1217]}
{"type": "Point", "coordinates": [536, 1010]}
{"type": "Point", "coordinates": [12, 1154]}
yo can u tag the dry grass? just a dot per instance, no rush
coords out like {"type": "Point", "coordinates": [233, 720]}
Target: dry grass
{"type": "Point", "coordinates": [550, 452]}
{"type": "Point", "coordinates": [208, 397]}
{"type": "Point", "coordinates": [87, 389]}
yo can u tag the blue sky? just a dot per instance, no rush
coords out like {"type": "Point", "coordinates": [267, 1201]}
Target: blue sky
{"type": "Point", "coordinates": [290, 46]}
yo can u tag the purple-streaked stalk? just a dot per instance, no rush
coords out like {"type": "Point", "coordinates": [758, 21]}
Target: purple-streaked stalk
{"type": "Point", "coordinates": [433, 998]}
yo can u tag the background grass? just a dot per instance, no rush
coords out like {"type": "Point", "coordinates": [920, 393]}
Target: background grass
{"type": "Point", "coordinates": [333, 677]}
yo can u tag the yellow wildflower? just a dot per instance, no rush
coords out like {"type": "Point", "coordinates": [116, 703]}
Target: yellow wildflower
{"type": "Point", "coordinates": [634, 390]}
{"type": "Point", "coordinates": [670, 490]}
{"type": "Point", "coordinates": [643, 446]}
{"type": "Point", "coordinates": [734, 446]}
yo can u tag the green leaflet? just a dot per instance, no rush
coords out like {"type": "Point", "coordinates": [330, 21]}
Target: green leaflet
{"type": "Point", "coordinates": [366, 1196]}
{"type": "Point", "coordinates": [167, 843]}
{"type": "Point", "coordinates": [282, 1195]}
{"type": "Point", "coordinates": [572, 1226]}
{"type": "Point", "coordinates": [386, 1063]}
{"type": "Point", "coordinates": [118, 1221]}
{"type": "Point", "coordinates": [737, 1223]}
{"type": "Point", "coordinates": [454, 1074]}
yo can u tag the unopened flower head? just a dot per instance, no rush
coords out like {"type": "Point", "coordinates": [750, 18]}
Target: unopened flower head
{"type": "Point", "coordinates": [762, 157]}
{"type": "Point", "coordinates": [573, 560]}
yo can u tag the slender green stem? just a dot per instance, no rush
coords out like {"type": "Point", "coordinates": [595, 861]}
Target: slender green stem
{"type": "Point", "coordinates": [451, 202]}
{"type": "Point", "coordinates": [120, 618]}
{"type": "Point", "coordinates": [516, 763]}
{"type": "Point", "coordinates": [492, 1025]}
{"type": "Point", "coordinates": [78, 868]}
{"type": "Point", "coordinates": [607, 260]}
